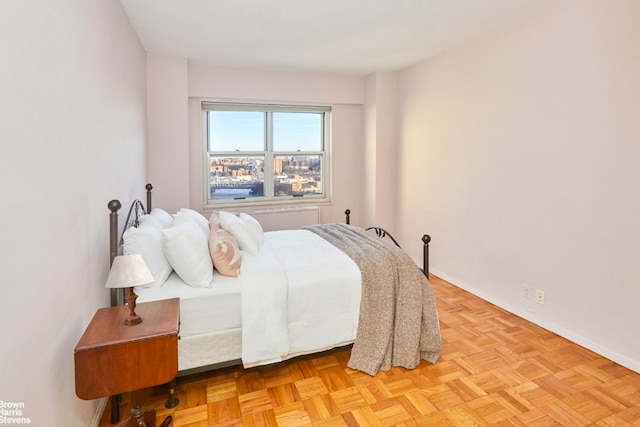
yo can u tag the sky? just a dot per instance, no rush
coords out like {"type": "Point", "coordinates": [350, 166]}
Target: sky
{"type": "Point", "coordinates": [244, 131]}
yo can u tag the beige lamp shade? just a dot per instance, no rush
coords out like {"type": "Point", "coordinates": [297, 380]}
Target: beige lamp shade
{"type": "Point", "coordinates": [128, 271]}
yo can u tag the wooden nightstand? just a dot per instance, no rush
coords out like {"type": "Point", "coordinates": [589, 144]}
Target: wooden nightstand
{"type": "Point", "coordinates": [112, 358]}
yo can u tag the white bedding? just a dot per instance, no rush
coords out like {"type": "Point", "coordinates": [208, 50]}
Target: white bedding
{"type": "Point", "coordinates": [302, 297]}
{"type": "Point", "coordinates": [298, 295]}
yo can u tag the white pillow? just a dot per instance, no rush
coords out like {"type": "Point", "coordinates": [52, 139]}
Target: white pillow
{"type": "Point", "coordinates": [146, 240]}
{"type": "Point", "coordinates": [254, 227]}
{"type": "Point", "coordinates": [187, 250]}
{"type": "Point", "coordinates": [200, 219]}
{"type": "Point", "coordinates": [163, 217]}
{"type": "Point", "coordinates": [240, 231]}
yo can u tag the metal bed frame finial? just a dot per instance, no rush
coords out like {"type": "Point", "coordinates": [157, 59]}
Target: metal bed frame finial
{"type": "Point", "coordinates": [148, 187]}
{"type": "Point", "coordinates": [425, 254]}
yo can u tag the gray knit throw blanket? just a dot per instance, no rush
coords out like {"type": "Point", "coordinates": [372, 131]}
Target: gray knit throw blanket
{"type": "Point", "coordinates": [398, 322]}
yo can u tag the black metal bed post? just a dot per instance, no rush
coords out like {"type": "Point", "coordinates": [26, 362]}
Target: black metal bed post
{"type": "Point", "coordinates": [149, 187]}
{"type": "Point", "coordinates": [425, 254]}
{"type": "Point", "coordinates": [172, 399]}
{"type": "Point", "coordinates": [114, 206]}
{"type": "Point", "coordinates": [347, 218]}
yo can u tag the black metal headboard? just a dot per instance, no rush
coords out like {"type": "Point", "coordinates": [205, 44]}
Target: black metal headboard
{"type": "Point", "coordinates": [137, 210]}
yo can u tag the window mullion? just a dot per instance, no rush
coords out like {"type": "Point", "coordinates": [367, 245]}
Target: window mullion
{"type": "Point", "coordinates": [268, 156]}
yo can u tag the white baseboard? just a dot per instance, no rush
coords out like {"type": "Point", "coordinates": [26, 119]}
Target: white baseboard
{"type": "Point", "coordinates": [614, 356]}
{"type": "Point", "coordinates": [95, 422]}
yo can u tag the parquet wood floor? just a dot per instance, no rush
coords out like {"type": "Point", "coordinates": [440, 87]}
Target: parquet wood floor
{"type": "Point", "coordinates": [496, 369]}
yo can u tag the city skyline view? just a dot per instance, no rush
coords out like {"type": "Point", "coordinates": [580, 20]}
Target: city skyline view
{"type": "Point", "coordinates": [244, 177]}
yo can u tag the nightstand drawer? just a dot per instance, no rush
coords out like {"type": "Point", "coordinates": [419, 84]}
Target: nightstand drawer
{"type": "Point", "coordinates": [113, 358]}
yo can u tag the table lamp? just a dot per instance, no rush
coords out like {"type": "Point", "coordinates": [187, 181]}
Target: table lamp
{"type": "Point", "coordinates": [128, 271]}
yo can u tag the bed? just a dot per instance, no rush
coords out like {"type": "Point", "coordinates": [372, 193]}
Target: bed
{"type": "Point", "coordinates": [302, 291]}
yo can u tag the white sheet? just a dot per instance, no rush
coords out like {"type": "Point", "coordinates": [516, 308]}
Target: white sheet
{"type": "Point", "coordinates": [306, 301]}
{"type": "Point", "coordinates": [202, 310]}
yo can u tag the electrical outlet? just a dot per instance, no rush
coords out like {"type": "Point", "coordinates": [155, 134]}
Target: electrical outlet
{"type": "Point", "coordinates": [527, 292]}
{"type": "Point", "coordinates": [539, 297]}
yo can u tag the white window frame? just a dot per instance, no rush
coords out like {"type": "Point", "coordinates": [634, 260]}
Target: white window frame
{"type": "Point", "coordinates": [269, 154]}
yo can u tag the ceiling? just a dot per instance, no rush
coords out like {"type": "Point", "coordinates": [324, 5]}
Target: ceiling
{"type": "Point", "coordinates": [346, 36]}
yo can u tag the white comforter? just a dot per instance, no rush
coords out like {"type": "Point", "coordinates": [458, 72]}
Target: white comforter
{"type": "Point", "coordinates": [300, 295]}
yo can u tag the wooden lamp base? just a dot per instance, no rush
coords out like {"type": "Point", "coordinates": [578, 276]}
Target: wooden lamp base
{"type": "Point", "coordinates": [133, 318]}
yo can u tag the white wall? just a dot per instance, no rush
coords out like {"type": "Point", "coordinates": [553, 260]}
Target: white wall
{"type": "Point", "coordinates": [167, 135]}
{"type": "Point", "coordinates": [72, 137]}
{"type": "Point", "coordinates": [381, 166]}
{"type": "Point", "coordinates": [168, 131]}
{"type": "Point", "coordinates": [519, 155]}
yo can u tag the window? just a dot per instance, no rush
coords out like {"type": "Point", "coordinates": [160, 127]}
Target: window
{"type": "Point", "coordinates": [265, 153]}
